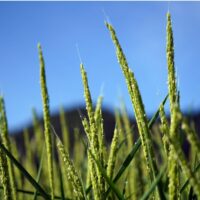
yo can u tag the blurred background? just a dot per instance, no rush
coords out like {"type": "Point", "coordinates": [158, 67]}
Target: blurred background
{"type": "Point", "coordinates": [62, 26]}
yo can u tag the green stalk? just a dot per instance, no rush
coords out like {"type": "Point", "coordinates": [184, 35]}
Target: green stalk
{"type": "Point", "coordinates": [179, 155]}
{"type": "Point", "coordinates": [6, 142]}
{"type": "Point", "coordinates": [133, 94]}
{"type": "Point", "coordinates": [172, 88]}
{"type": "Point", "coordinates": [173, 165]}
{"type": "Point", "coordinates": [138, 106]}
{"type": "Point", "coordinates": [88, 100]}
{"type": "Point", "coordinates": [46, 114]}
{"type": "Point", "coordinates": [94, 140]}
{"type": "Point", "coordinates": [102, 148]}
{"type": "Point", "coordinates": [99, 124]}
{"type": "Point", "coordinates": [113, 153]}
{"type": "Point", "coordinates": [164, 128]}
{"type": "Point", "coordinates": [191, 136]}
{"type": "Point", "coordinates": [72, 174]}
{"type": "Point", "coordinates": [5, 180]}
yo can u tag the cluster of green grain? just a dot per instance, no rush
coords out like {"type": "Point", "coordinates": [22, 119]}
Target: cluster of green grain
{"type": "Point", "coordinates": [149, 165]}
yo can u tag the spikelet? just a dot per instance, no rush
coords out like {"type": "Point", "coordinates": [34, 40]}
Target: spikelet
{"type": "Point", "coordinates": [6, 142]}
{"type": "Point", "coordinates": [178, 154]}
{"type": "Point", "coordinates": [173, 165]}
{"type": "Point", "coordinates": [172, 88]}
{"type": "Point", "coordinates": [5, 181]}
{"type": "Point", "coordinates": [191, 136]}
{"type": "Point", "coordinates": [164, 128]}
{"type": "Point", "coordinates": [93, 138]}
{"type": "Point", "coordinates": [173, 168]}
{"type": "Point", "coordinates": [137, 104]}
{"type": "Point", "coordinates": [46, 115]}
{"type": "Point", "coordinates": [86, 127]}
{"type": "Point", "coordinates": [99, 124]}
{"type": "Point", "coordinates": [90, 165]}
{"type": "Point", "coordinates": [72, 174]}
{"type": "Point", "coordinates": [112, 155]}
{"type": "Point", "coordinates": [102, 148]}
{"type": "Point", "coordinates": [66, 183]}
{"type": "Point", "coordinates": [98, 107]}
{"type": "Point", "coordinates": [119, 125]}
{"type": "Point", "coordinates": [88, 100]}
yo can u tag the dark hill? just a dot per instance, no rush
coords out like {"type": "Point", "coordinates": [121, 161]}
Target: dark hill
{"type": "Point", "coordinates": [74, 121]}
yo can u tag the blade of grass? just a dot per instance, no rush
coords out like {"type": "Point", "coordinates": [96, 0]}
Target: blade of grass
{"type": "Point", "coordinates": [24, 172]}
{"type": "Point", "coordinates": [153, 119]}
{"type": "Point", "coordinates": [154, 184]}
{"type": "Point", "coordinates": [121, 144]}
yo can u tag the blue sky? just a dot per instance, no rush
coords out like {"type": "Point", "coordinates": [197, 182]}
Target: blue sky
{"type": "Point", "coordinates": [59, 26]}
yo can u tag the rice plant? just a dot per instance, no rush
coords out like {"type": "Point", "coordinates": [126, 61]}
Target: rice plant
{"type": "Point", "coordinates": [149, 165]}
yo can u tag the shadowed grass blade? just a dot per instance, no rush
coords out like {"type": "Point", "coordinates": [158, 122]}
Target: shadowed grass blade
{"type": "Point", "coordinates": [154, 184]}
{"type": "Point", "coordinates": [153, 119]}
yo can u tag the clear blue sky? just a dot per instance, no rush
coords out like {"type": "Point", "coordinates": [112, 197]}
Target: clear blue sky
{"type": "Point", "coordinates": [140, 27]}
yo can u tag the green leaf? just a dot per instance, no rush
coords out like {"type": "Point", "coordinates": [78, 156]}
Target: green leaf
{"type": "Point", "coordinates": [154, 184]}
{"type": "Point", "coordinates": [153, 119]}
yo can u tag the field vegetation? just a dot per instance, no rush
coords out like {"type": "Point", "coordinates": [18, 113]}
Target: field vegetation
{"type": "Point", "coordinates": [151, 166]}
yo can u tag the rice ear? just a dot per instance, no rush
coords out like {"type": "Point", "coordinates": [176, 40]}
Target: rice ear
{"type": "Point", "coordinates": [46, 115]}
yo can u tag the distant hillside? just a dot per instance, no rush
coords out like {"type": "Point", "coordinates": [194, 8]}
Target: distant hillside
{"type": "Point", "coordinates": [74, 121]}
